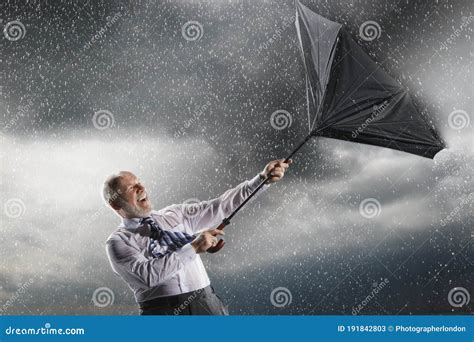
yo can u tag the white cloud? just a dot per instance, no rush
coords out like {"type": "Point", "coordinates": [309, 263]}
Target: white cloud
{"type": "Point", "coordinates": [65, 221]}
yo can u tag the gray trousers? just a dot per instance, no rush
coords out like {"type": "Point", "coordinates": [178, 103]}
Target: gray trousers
{"type": "Point", "coordinates": [200, 302]}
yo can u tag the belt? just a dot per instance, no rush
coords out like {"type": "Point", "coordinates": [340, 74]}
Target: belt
{"type": "Point", "coordinates": [175, 300]}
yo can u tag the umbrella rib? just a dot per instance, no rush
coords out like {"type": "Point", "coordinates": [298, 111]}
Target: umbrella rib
{"type": "Point", "coordinates": [307, 105]}
{"type": "Point", "coordinates": [333, 50]}
{"type": "Point", "coordinates": [305, 68]}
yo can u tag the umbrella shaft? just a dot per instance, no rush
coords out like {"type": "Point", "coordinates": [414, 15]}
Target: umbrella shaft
{"type": "Point", "coordinates": [298, 147]}
{"type": "Point", "coordinates": [226, 221]}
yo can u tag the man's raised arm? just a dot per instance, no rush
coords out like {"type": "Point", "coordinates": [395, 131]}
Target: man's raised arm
{"type": "Point", "coordinates": [209, 214]}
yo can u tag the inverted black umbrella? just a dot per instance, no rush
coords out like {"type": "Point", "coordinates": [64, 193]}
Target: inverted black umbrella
{"type": "Point", "coordinates": [351, 98]}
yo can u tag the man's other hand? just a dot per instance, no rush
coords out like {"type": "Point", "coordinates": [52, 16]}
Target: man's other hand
{"type": "Point", "coordinates": [206, 240]}
{"type": "Point", "coordinates": [275, 169]}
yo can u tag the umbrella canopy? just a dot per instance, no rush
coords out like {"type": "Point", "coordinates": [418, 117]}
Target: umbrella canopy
{"type": "Point", "coordinates": [351, 98]}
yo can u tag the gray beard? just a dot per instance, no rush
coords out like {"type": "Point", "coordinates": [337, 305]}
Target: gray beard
{"type": "Point", "coordinates": [135, 212]}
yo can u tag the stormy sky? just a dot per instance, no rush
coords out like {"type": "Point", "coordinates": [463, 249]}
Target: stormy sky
{"type": "Point", "coordinates": [182, 94]}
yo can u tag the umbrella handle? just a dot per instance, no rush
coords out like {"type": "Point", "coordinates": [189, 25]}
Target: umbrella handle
{"type": "Point", "coordinates": [221, 242]}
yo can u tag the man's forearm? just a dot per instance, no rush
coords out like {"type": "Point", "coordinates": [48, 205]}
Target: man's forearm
{"type": "Point", "coordinates": [214, 211]}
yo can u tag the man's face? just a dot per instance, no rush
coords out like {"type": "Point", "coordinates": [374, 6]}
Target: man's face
{"type": "Point", "coordinates": [135, 196]}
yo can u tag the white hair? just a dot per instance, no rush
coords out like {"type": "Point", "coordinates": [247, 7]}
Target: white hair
{"type": "Point", "coordinates": [111, 189]}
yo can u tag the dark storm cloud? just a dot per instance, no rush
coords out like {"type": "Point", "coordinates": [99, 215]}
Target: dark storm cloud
{"type": "Point", "coordinates": [145, 56]}
{"type": "Point", "coordinates": [192, 118]}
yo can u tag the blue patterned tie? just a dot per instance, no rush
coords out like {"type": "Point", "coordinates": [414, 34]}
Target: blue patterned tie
{"type": "Point", "coordinates": [165, 238]}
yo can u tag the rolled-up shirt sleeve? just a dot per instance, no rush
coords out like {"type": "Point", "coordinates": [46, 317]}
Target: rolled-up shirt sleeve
{"type": "Point", "coordinates": [209, 214]}
{"type": "Point", "coordinates": [135, 268]}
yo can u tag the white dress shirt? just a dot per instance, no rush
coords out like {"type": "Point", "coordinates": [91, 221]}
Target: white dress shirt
{"type": "Point", "coordinates": [182, 270]}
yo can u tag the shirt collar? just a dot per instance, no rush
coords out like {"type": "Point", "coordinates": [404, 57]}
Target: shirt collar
{"type": "Point", "coordinates": [130, 224]}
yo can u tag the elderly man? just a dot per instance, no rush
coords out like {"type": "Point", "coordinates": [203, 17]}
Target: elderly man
{"type": "Point", "coordinates": [156, 252]}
